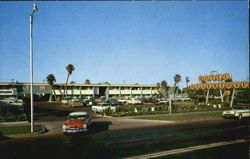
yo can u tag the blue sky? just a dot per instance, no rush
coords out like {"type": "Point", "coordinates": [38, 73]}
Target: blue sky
{"type": "Point", "coordinates": [125, 42]}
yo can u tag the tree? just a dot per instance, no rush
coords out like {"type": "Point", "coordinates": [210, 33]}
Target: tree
{"type": "Point", "coordinates": [51, 79]}
{"type": "Point", "coordinates": [158, 87]}
{"type": "Point", "coordinates": [177, 79]}
{"type": "Point", "coordinates": [187, 81]}
{"type": "Point", "coordinates": [87, 81]}
{"type": "Point", "coordinates": [70, 68]}
{"type": "Point", "coordinates": [162, 89]}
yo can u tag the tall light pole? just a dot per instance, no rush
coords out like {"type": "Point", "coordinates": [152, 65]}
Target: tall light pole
{"type": "Point", "coordinates": [35, 9]}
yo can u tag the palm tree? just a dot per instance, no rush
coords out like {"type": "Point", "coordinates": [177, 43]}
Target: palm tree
{"type": "Point", "coordinates": [177, 79]}
{"type": "Point", "coordinates": [164, 87]}
{"type": "Point", "coordinates": [70, 68]}
{"type": "Point", "coordinates": [51, 79]}
{"type": "Point", "coordinates": [187, 81]}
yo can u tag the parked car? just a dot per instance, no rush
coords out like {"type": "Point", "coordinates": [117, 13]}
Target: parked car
{"type": "Point", "coordinates": [76, 122]}
{"type": "Point", "coordinates": [237, 112]}
{"type": "Point", "coordinates": [12, 101]}
{"type": "Point", "coordinates": [66, 100]}
{"type": "Point", "coordinates": [122, 101]}
{"type": "Point", "coordinates": [163, 102]}
{"type": "Point", "coordinates": [75, 104]}
{"type": "Point", "coordinates": [134, 101]}
{"type": "Point", "coordinates": [100, 107]}
{"type": "Point", "coordinates": [112, 101]}
{"type": "Point", "coordinates": [86, 102]}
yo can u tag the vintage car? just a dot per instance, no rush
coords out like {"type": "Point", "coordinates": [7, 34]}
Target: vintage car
{"type": "Point", "coordinates": [163, 102]}
{"type": "Point", "coordinates": [237, 112]}
{"type": "Point", "coordinates": [76, 122]}
{"type": "Point", "coordinates": [100, 107]}
{"type": "Point", "coordinates": [134, 101]}
{"type": "Point", "coordinates": [75, 103]}
{"type": "Point", "coordinates": [66, 100]}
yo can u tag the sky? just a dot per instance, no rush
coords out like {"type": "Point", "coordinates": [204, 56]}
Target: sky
{"type": "Point", "coordinates": [125, 42]}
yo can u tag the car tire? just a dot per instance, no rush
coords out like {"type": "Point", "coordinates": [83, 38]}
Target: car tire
{"type": "Point", "coordinates": [240, 116]}
{"type": "Point", "coordinates": [65, 133]}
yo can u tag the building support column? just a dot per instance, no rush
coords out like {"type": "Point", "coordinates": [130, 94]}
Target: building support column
{"type": "Point", "coordinates": [80, 89]}
{"type": "Point", "coordinates": [107, 93]}
{"type": "Point", "coordinates": [120, 93]}
{"type": "Point", "coordinates": [130, 92]}
{"type": "Point", "coordinates": [141, 93]}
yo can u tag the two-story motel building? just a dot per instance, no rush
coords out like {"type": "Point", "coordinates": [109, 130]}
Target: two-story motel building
{"type": "Point", "coordinates": [42, 91]}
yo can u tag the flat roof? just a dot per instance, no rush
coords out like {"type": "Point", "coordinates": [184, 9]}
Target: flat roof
{"type": "Point", "coordinates": [78, 84]}
{"type": "Point", "coordinates": [78, 113]}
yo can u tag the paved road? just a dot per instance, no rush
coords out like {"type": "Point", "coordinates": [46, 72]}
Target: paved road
{"type": "Point", "coordinates": [55, 127]}
{"type": "Point", "coordinates": [163, 137]}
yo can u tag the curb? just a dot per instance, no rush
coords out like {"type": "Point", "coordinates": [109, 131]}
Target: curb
{"type": "Point", "coordinates": [44, 130]}
{"type": "Point", "coordinates": [14, 123]}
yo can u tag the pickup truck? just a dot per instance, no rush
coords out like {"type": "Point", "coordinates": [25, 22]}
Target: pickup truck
{"type": "Point", "coordinates": [100, 107]}
{"type": "Point", "coordinates": [76, 122]}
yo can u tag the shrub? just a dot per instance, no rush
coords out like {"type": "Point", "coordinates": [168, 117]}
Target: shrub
{"type": "Point", "coordinates": [108, 111]}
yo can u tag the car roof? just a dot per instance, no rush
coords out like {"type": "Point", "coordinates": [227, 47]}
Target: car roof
{"type": "Point", "coordinates": [78, 113]}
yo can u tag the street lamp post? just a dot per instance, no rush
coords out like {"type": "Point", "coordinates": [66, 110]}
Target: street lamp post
{"type": "Point", "coordinates": [31, 70]}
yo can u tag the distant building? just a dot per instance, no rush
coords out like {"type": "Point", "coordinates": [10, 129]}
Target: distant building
{"type": "Point", "coordinates": [42, 91]}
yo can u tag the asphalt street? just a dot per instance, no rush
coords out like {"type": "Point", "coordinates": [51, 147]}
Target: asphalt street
{"type": "Point", "coordinates": [229, 137]}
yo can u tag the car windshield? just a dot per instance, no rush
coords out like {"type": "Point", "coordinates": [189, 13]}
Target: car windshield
{"type": "Point", "coordinates": [82, 117]}
{"type": "Point", "coordinates": [241, 108]}
{"type": "Point", "coordinates": [103, 104]}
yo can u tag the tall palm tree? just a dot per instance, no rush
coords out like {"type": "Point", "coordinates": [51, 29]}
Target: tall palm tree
{"type": "Point", "coordinates": [187, 81]}
{"type": "Point", "coordinates": [70, 68]}
{"type": "Point", "coordinates": [51, 79]}
{"type": "Point", "coordinates": [177, 79]}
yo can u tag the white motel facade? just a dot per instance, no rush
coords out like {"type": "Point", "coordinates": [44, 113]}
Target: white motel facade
{"type": "Point", "coordinates": [42, 91]}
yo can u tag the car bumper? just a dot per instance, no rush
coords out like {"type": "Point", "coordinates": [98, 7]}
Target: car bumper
{"type": "Point", "coordinates": [68, 130]}
{"type": "Point", "coordinates": [230, 115]}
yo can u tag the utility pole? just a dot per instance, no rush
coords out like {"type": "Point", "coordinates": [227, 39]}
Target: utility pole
{"type": "Point", "coordinates": [35, 9]}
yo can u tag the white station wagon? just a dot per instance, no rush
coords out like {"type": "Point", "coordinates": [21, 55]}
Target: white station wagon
{"type": "Point", "coordinates": [237, 112]}
{"type": "Point", "coordinates": [101, 107]}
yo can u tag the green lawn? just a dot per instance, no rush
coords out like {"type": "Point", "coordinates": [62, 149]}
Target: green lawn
{"type": "Point", "coordinates": [10, 130]}
{"type": "Point", "coordinates": [179, 117]}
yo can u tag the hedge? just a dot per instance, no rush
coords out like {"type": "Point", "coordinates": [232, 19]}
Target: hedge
{"type": "Point", "coordinates": [159, 109]}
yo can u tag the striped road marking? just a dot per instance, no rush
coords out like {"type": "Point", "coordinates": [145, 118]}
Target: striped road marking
{"type": "Point", "coordinates": [188, 149]}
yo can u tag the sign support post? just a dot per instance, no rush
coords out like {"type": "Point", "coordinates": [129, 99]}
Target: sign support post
{"type": "Point", "coordinates": [207, 96]}
{"type": "Point", "coordinates": [221, 96]}
{"type": "Point", "coordinates": [232, 98]}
